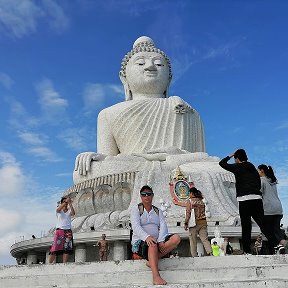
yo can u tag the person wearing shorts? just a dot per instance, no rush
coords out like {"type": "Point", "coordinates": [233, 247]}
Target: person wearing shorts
{"type": "Point", "coordinates": [150, 238]}
{"type": "Point", "coordinates": [63, 236]}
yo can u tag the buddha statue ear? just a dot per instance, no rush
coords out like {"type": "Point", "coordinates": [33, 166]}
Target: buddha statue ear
{"type": "Point", "coordinates": [128, 93]}
{"type": "Point", "coordinates": [166, 94]}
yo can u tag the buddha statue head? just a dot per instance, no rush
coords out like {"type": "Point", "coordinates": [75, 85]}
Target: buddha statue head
{"type": "Point", "coordinates": [145, 71]}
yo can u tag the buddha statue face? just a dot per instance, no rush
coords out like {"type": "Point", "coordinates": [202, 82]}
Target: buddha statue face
{"type": "Point", "coordinates": [147, 73]}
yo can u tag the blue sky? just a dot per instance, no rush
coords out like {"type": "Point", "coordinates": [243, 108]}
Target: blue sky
{"type": "Point", "coordinates": [59, 67]}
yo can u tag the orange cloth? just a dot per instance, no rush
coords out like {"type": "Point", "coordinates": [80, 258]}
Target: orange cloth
{"type": "Point", "coordinates": [136, 257]}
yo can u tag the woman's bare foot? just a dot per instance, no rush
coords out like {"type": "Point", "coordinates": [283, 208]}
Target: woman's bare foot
{"type": "Point", "coordinates": [159, 281]}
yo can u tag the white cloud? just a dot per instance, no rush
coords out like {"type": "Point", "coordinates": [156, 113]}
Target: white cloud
{"type": "Point", "coordinates": [6, 80]}
{"type": "Point", "coordinates": [12, 220]}
{"type": "Point", "coordinates": [282, 176]}
{"type": "Point", "coordinates": [237, 130]}
{"type": "Point", "coordinates": [19, 118]}
{"type": "Point", "coordinates": [22, 221]}
{"type": "Point", "coordinates": [281, 145]}
{"type": "Point", "coordinates": [281, 173]}
{"type": "Point", "coordinates": [117, 88]}
{"type": "Point", "coordinates": [180, 65]}
{"type": "Point", "coordinates": [36, 146]}
{"type": "Point", "coordinates": [284, 125]}
{"type": "Point", "coordinates": [67, 174]}
{"type": "Point", "coordinates": [51, 102]}
{"type": "Point", "coordinates": [7, 158]}
{"type": "Point", "coordinates": [132, 8]}
{"type": "Point", "coordinates": [49, 98]}
{"type": "Point", "coordinates": [58, 20]}
{"type": "Point", "coordinates": [12, 178]}
{"type": "Point", "coordinates": [31, 138]}
{"type": "Point", "coordinates": [19, 18]}
{"type": "Point", "coordinates": [223, 49]}
{"type": "Point", "coordinates": [76, 138]}
{"type": "Point", "coordinates": [182, 61]}
{"type": "Point", "coordinates": [5, 243]}
{"type": "Point", "coordinates": [94, 95]}
{"type": "Point", "coordinates": [45, 153]}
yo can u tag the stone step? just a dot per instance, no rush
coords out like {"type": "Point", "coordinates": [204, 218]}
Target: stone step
{"type": "Point", "coordinates": [215, 284]}
{"type": "Point", "coordinates": [231, 271]}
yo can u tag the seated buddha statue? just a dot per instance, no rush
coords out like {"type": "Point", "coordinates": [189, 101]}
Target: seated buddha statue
{"type": "Point", "coordinates": [146, 137]}
{"type": "Point", "coordinates": [149, 123]}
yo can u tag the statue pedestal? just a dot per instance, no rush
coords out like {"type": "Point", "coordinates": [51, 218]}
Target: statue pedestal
{"type": "Point", "coordinates": [104, 199]}
{"type": "Point", "coordinates": [119, 250]}
{"type": "Point", "coordinates": [80, 253]}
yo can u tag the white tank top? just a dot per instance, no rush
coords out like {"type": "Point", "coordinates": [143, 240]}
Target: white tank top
{"type": "Point", "coordinates": [63, 219]}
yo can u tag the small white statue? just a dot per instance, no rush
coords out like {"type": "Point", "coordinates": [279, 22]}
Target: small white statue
{"type": "Point", "coordinates": [164, 206]}
{"type": "Point", "coordinates": [218, 239]}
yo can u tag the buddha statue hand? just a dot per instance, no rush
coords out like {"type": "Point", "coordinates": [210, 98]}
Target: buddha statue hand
{"type": "Point", "coordinates": [160, 154]}
{"type": "Point", "coordinates": [152, 157]}
{"type": "Point", "coordinates": [83, 161]}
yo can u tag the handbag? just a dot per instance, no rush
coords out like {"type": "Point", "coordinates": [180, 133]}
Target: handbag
{"type": "Point", "coordinates": [192, 220]}
{"type": "Point", "coordinates": [143, 250]}
{"type": "Point", "coordinates": [140, 248]}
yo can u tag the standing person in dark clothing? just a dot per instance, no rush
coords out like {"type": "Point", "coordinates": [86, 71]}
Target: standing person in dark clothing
{"type": "Point", "coordinates": [249, 196]}
{"type": "Point", "coordinates": [273, 211]}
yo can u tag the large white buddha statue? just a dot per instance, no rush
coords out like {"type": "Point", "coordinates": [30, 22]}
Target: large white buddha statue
{"type": "Point", "coordinates": [148, 122]}
{"type": "Point", "coordinates": [142, 141]}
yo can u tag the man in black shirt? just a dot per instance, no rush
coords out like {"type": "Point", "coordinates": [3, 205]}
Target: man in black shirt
{"type": "Point", "coordinates": [249, 196]}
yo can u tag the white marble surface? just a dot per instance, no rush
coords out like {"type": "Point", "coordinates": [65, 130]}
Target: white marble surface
{"type": "Point", "coordinates": [217, 186]}
{"type": "Point", "coordinates": [205, 272]}
{"type": "Point", "coordinates": [80, 253]}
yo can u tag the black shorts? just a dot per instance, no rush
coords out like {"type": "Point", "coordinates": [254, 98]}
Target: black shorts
{"type": "Point", "coordinates": [143, 247]}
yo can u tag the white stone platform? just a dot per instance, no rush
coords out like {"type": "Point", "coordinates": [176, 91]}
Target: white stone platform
{"type": "Point", "coordinates": [205, 272]}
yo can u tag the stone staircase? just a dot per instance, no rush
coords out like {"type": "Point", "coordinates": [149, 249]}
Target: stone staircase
{"type": "Point", "coordinates": [204, 272]}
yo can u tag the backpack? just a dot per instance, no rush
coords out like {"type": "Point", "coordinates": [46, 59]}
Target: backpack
{"type": "Point", "coordinates": [141, 209]}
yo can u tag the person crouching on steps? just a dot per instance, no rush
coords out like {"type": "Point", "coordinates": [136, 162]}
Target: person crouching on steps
{"type": "Point", "coordinates": [150, 238]}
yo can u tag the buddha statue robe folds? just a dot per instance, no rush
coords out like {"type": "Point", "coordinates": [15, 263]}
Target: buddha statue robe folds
{"type": "Point", "coordinates": [143, 126]}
